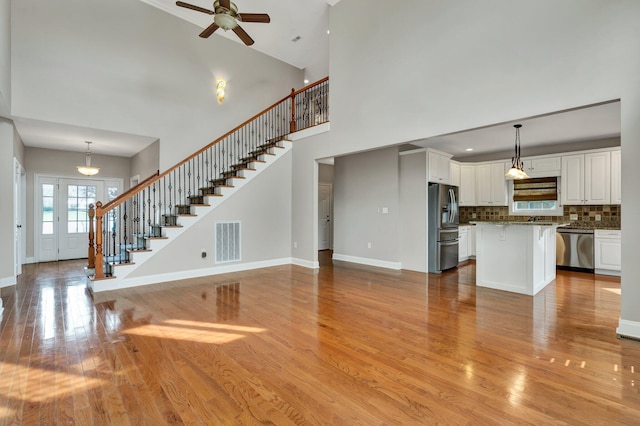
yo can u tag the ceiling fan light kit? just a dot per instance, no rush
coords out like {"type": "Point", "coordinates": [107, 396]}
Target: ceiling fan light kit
{"type": "Point", "coordinates": [226, 16]}
{"type": "Point", "coordinates": [517, 167]}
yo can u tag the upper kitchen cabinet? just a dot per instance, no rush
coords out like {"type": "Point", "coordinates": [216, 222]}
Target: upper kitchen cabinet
{"type": "Point", "coordinates": [454, 173]}
{"type": "Point", "coordinates": [542, 166]}
{"type": "Point", "coordinates": [491, 185]}
{"type": "Point", "coordinates": [467, 191]}
{"type": "Point", "coordinates": [616, 178]}
{"type": "Point", "coordinates": [439, 166]}
{"type": "Point", "coordinates": [586, 178]}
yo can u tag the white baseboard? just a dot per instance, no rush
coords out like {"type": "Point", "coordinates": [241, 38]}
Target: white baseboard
{"type": "Point", "coordinates": [30, 260]}
{"type": "Point", "coordinates": [8, 281]}
{"type": "Point", "coordinates": [367, 261]}
{"type": "Point", "coordinates": [305, 263]}
{"type": "Point", "coordinates": [118, 284]}
{"type": "Point", "coordinates": [628, 328]}
{"type": "Point", "coordinates": [607, 272]}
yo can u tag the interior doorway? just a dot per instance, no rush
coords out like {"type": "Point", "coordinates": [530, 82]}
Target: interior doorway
{"type": "Point", "coordinates": [325, 205]}
{"type": "Point", "coordinates": [62, 219]}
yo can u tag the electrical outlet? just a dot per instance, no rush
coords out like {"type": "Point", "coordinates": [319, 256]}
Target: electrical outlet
{"type": "Point", "coordinates": [385, 210]}
{"type": "Point", "coordinates": [369, 245]}
{"type": "Point", "coordinates": [295, 244]}
{"type": "Point", "coordinates": [474, 216]}
{"type": "Point", "coordinates": [598, 218]}
{"type": "Point", "coordinates": [573, 216]}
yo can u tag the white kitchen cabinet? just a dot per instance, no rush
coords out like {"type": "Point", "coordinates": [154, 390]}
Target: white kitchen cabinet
{"type": "Point", "coordinates": [491, 185]}
{"type": "Point", "coordinates": [607, 252]}
{"type": "Point", "coordinates": [454, 173]}
{"type": "Point", "coordinates": [543, 166]}
{"type": "Point", "coordinates": [467, 191]}
{"type": "Point", "coordinates": [463, 243]}
{"type": "Point", "coordinates": [586, 178]}
{"type": "Point", "coordinates": [616, 177]}
{"type": "Point", "coordinates": [439, 166]}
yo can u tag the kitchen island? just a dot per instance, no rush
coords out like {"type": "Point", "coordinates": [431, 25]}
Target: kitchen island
{"type": "Point", "coordinates": [519, 257]}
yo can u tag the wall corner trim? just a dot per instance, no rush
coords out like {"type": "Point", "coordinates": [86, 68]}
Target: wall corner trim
{"type": "Point", "coordinates": [629, 329]}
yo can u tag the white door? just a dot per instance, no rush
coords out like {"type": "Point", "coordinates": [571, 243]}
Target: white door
{"type": "Point", "coordinates": [325, 214]}
{"type": "Point", "coordinates": [73, 224]}
{"type": "Point", "coordinates": [19, 201]}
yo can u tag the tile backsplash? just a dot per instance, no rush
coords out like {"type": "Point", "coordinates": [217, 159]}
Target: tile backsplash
{"type": "Point", "coordinates": [609, 215]}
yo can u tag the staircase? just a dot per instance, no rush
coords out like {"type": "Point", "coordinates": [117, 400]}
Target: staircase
{"type": "Point", "coordinates": [138, 224]}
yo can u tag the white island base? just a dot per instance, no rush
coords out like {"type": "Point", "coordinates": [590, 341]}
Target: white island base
{"type": "Point", "coordinates": [516, 257]}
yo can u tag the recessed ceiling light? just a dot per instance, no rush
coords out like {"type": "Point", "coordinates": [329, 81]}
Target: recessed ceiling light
{"type": "Point", "coordinates": [328, 32]}
{"type": "Point", "coordinates": [469, 149]}
{"type": "Point", "coordinates": [306, 81]}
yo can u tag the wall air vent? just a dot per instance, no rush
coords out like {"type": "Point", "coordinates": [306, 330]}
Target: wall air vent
{"type": "Point", "coordinates": [227, 242]}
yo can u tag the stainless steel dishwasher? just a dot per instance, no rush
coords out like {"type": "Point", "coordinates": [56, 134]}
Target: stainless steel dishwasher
{"type": "Point", "coordinates": [574, 248]}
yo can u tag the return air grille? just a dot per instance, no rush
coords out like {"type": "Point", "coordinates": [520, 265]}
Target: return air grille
{"type": "Point", "coordinates": [227, 242]}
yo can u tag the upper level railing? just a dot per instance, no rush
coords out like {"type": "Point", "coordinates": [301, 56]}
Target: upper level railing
{"type": "Point", "coordinates": [125, 223]}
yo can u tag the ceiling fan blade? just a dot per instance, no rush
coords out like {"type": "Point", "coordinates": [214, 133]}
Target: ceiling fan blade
{"type": "Point", "coordinates": [209, 30]}
{"type": "Point", "coordinates": [255, 17]}
{"type": "Point", "coordinates": [226, 4]}
{"type": "Point", "coordinates": [243, 35]}
{"type": "Point", "coordinates": [194, 7]}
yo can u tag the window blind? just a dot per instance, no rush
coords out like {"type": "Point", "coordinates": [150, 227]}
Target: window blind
{"type": "Point", "coordinates": [535, 189]}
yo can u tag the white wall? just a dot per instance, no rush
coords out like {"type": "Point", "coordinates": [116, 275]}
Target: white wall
{"type": "Point", "coordinates": [364, 185]}
{"type": "Point", "coordinates": [413, 211]}
{"type": "Point", "coordinates": [146, 162]}
{"type": "Point", "coordinates": [263, 206]}
{"type": "Point", "coordinates": [5, 57]}
{"type": "Point", "coordinates": [125, 66]}
{"type": "Point", "coordinates": [457, 65]}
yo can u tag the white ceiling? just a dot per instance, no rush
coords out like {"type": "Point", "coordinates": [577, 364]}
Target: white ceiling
{"type": "Point", "coordinates": [309, 20]}
{"type": "Point", "coordinates": [538, 135]}
{"type": "Point", "coordinates": [42, 134]}
{"type": "Point", "coordinates": [290, 19]}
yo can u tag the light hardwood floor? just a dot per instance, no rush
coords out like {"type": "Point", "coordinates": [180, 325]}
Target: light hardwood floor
{"type": "Point", "coordinates": [287, 345]}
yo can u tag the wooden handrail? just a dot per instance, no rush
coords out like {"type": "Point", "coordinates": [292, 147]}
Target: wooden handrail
{"type": "Point", "coordinates": [309, 86]}
{"type": "Point", "coordinates": [116, 202]}
{"type": "Point", "coordinates": [131, 191]}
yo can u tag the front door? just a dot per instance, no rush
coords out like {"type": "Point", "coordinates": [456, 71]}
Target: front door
{"type": "Point", "coordinates": [63, 231]}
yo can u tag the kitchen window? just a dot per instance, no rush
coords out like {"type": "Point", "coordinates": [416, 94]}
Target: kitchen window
{"type": "Point", "coordinates": [535, 197]}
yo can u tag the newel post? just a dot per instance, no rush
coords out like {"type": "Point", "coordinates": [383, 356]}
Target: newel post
{"type": "Point", "coordinates": [99, 263]}
{"type": "Point", "coordinates": [92, 253]}
{"type": "Point", "coordinates": [292, 123]}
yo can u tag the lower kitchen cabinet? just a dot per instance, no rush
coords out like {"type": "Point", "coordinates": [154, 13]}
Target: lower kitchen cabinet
{"type": "Point", "coordinates": [463, 243]}
{"type": "Point", "coordinates": [607, 252]}
{"type": "Point", "coordinates": [471, 247]}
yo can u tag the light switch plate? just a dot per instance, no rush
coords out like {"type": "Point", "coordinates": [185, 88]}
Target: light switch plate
{"type": "Point", "coordinates": [573, 217]}
{"type": "Point", "coordinates": [598, 218]}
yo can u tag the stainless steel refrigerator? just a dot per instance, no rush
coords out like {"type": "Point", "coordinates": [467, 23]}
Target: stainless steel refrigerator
{"type": "Point", "coordinates": [442, 220]}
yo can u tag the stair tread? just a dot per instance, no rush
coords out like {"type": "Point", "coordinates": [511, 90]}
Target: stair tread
{"type": "Point", "coordinates": [173, 226]}
{"type": "Point", "coordinates": [156, 238]}
{"type": "Point", "coordinates": [138, 250]}
{"type": "Point", "coordinates": [187, 215]}
{"type": "Point", "coordinates": [197, 204]}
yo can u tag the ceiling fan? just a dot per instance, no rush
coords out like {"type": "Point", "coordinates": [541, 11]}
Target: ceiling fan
{"type": "Point", "coordinates": [226, 16]}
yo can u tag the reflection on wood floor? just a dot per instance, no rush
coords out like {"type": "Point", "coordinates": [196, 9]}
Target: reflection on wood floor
{"type": "Point", "coordinates": [287, 345]}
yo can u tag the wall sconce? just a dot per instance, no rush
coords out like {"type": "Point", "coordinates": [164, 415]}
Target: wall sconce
{"type": "Point", "coordinates": [87, 169]}
{"type": "Point", "coordinates": [221, 85]}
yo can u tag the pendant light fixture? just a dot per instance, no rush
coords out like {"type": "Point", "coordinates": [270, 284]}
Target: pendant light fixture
{"type": "Point", "coordinates": [517, 168]}
{"type": "Point", "coordinates": [87, 170]}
